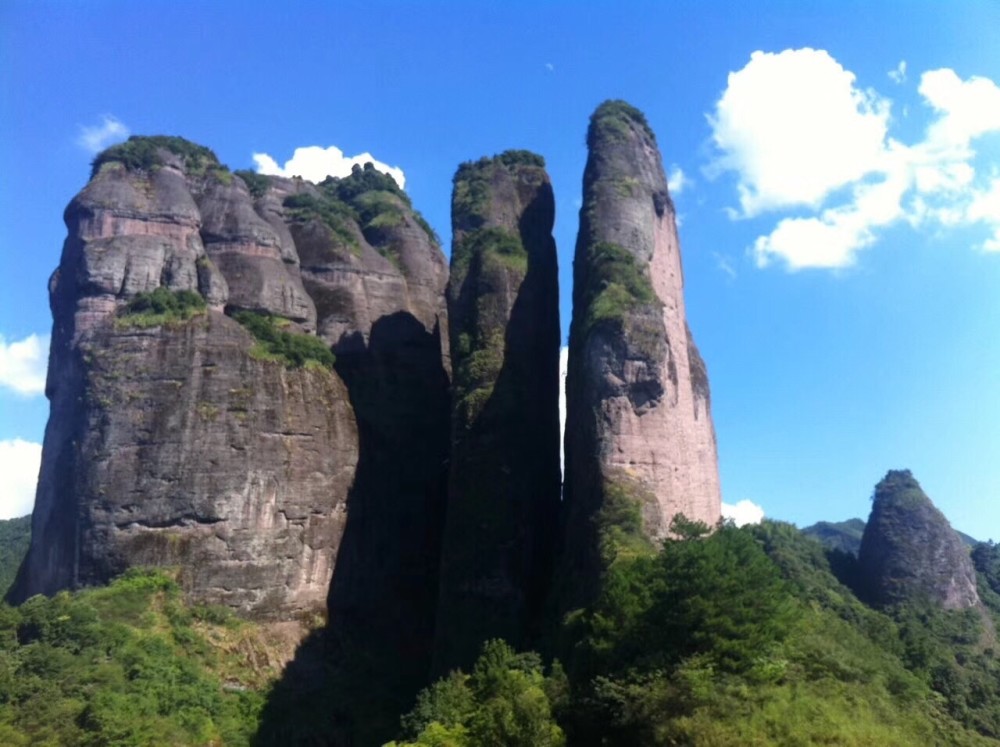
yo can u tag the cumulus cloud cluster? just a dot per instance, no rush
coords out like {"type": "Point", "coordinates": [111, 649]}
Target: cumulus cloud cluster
{"type": "Point", "coordinates": [314, 163]}
{"type": "Point", "coordinates": [23, 364]}
{"type": "Point", "coordinates": [801, 136]}
{"type": "Point", "coordinates": [95, 138]}
{"type": "Point", "coordinates": [743, 512]}
{"type": "Point", "coordinates": [19, 462]}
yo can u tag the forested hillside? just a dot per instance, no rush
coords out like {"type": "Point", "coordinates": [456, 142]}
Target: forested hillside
{"type": "Point", "coordinates": [15, 535]}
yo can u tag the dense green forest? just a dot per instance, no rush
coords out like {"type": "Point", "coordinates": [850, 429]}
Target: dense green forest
{"type": "Point", "coordinates": [15, 536]}
{"type": "Point", "coordinates": [735, 637]}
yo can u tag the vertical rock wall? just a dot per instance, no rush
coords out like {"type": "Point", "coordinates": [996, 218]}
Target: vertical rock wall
{"type": "Point", "coordinates": [504, 481]}
{"type": "Point", "coordinates": [179, 443]}
{"type": "Point", "coordinates": [640, 444]}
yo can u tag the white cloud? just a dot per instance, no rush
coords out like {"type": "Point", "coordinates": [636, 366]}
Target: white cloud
{"type": "Point", "coordinates": [899, 74]}
{"type": "Point", "coordinates": [315, 163]}
{"type": "Point", "coordinates": [23, 364]}
{"type": "Point", "coordinates": [799, 133]}
{"type": "Point", "coordinates": [743, 513]}
{"type": "Point", "coordinates": [677, 180]}
{"type": "Point", "coordinates": [19, 463]}
{"type": "Point", "coordinates": [96, 138]}
{"type": "Point", "coordinates": [563, 368]}
{"type": "Point", "coordinates": [794, 127]}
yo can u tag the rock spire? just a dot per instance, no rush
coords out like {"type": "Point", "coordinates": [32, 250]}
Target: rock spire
{"type": "Point", "coordinates": [640, 444]}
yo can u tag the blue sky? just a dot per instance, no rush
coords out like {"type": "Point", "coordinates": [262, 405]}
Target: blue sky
{"type": "Point", "coordinates": [835, 165]}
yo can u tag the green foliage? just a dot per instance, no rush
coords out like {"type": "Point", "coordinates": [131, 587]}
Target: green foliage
{"type": "Point", "coordinates": [615, 118]}
{"type": "Point", "coordinates": [15, 536]}
{"type": "Point", "coordinates": [514, 158]}
{"type": "Point", "coordinates": [362, 180]}
{"type": "Point", "coordinates": [505, 701]}
{"type": "Point", "coordinates": [122, 665]}
{"type": "Point", "coordinates": [141, 153]}
{"type": "Point", "coordinates": [293, 350]}
{"type": "Point", "coordinates": [335, 215]}
{"type": "Point", "coordinates": [161, 306]}
{"type": "Point", "coordinates": [616, 282]}
{"type": "Point", "coordinates": [473, 183]}
{"type": "Point", "coordinates": [619, 523]}
{"type": "Point", "coordinates": [257, 184]}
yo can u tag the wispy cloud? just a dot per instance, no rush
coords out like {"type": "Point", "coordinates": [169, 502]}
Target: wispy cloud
{"type": "Point", "coordinates": [898, 75]}
{"type": "Point", "coordinates": [19, 463]}
{"type": "Point", "coordinates": [95, 138]}
{"type": "Point", "coordinates": [799, 134]}
{"type": "Point", "coordinates": [315, 163]}
{"type": "Point", "coordinates": [23, 364]}
{"type": "Point", "coordinates": [742, 513]}
{"type": "Point", "coordinates": [677, 180]}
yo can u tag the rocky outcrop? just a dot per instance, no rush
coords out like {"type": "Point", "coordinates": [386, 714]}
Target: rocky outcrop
{"type": "Point", "coordinates": [181, 440]}
{"type": "Point", "coordinates": [640, 444]}
{"type": "Point", "coordinates": [910, 553]}
{"type": "Point", "coordinates": [503, 492]}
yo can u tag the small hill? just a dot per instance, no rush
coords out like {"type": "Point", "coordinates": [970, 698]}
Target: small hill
{"type": "Point", "coordinates": [838, 535]}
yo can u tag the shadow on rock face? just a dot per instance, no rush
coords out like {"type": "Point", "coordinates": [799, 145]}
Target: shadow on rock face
{"type": "Point", "coordinates": [350, 681]}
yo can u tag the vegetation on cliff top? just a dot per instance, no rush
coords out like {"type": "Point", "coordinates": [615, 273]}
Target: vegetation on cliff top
{"type": "Point", "coordinates": [614, 118]}
{"type": "Point", "coordinates": [473, 183]}
{"type": "Point", "coordinates": [141, 153]}
{"type": "Point", "coordinates": [367, 198]}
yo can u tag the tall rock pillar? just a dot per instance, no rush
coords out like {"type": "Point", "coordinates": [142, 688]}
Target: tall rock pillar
{"type": "Point", "coordinates": [503, 496]}
{"type": "Point", "coordinates": [640, 445]}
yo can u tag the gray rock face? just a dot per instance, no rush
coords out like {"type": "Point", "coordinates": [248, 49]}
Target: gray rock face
{"type": "Point", "coordinates": [262, 274]}
{"type": "Point", "coordinates": [909, 552]}
{"type": "Point", "coordinates": [188, 452]}
{"type": "Point", "coordinates": [504, 482]}
{"type": "Point", "coordinates": [639, 437]}
{"type": "Point", "coordinates": [176, 444]}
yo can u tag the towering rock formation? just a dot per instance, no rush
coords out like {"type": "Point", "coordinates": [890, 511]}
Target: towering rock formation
{"type": "Point", "coordinates": [640, 445]}
{"type": "Point", "coordinates": [503, 307]}
{"type": "Point", "coordinates": [177, 438]}
{"type": "Point", "coordinates": [909, 552]}
{"type": "Point", "coordinates": [377, 276]}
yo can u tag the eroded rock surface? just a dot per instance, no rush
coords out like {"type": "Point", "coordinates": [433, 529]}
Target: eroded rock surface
{"type": "Point", "coordinates": [504, 481]}
{"type": "Point", "coordinates": [910, 553]}
{"type": "Point", "coordinates": [180, 443]}
{"type": "Point", "coordinates": [640, 444]}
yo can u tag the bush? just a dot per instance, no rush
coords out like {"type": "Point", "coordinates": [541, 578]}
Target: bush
{"type": "Point", "coordinates": [161, 306]}
{"type": "Point", "coordinates": [294, 350]}
{"type": "Point", "coordinates": [141, 153]}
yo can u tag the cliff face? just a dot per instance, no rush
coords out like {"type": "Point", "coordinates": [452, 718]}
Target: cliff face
{"type": "Point", "coordinates": [503, 492]}
{"type": "Point", "coordinates": [640, 444]}
{"type": "Point", "coordinates": [180, 439]}
{"type": "Point", "coordinates": [909, 552]}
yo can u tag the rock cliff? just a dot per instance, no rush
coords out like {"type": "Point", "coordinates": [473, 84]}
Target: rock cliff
{"type": "Point", "coordinates": [179, 436]}
{"type": "Point", "coordinates": [909, 552]}
{"type": "Point", "coordinates": [640, 444]}
{"type": "Point", "coordinates": [503, 493]}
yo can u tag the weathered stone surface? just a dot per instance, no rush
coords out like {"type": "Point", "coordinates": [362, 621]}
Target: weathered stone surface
{"type": "Point", "coordinates": [910, 553]}
{"type": "Point", "coordinates": [261, 273]}
{"type": "Point", "coordinates": [172, 444]}
{"type": "Point", "coordinates": [639, 434]}
{"type": "Point", "coordinates": [188, 452]}
{"type": "Point", "coordinates": [504, 481]}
